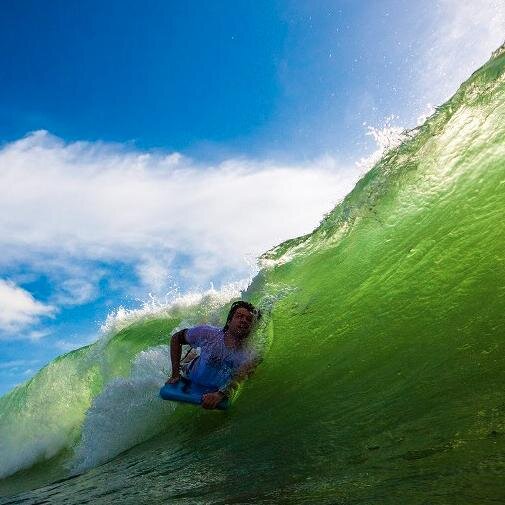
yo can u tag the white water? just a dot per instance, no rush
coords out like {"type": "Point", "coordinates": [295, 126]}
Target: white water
{"type": "Point", "coordinates": [127, 412]}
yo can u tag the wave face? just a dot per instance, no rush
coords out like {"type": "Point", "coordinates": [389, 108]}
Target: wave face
{"type": "Point", "coordinates": [383, 371]}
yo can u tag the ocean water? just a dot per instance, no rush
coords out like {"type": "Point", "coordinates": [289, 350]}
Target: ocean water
{"type": "Point", "coordinates": [383, 345]}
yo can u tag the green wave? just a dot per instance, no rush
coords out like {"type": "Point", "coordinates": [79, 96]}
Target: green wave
{"type": "Point", "coordinates": [383, 376]}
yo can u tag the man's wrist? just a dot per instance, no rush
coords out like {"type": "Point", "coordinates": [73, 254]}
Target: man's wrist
{"type": "Point", "coordinates": [224, 391]}
{"type": "Point", "coordinates": [227, 389]}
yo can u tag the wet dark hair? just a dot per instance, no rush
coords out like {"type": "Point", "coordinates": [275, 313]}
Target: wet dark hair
{"type": "Point", "coordinates": [244, 305]}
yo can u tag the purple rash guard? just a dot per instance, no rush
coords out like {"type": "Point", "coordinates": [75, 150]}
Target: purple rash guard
{"type": "Point", "coordinates": [217, 363]}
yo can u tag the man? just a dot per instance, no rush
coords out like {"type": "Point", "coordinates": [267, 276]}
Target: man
{"type": "Point", "coordinates": [224, 359]}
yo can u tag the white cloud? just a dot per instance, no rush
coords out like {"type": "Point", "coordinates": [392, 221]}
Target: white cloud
{"type": "Point", "coordinates": [64, 204]}
{"type": "Point", "coordinates": [36, 335]}
{"type": "Point", "coordinates": [460, 37]}
{"type": "Point", "coordinates": [19, 309]}
{"type": "Point", "coordinates": [154, 271]}
{"type": "Point", "coordinates": [68, 345]}
{"type": "Point", "coordinates": [75, 291]}
{"type": "Point", "coordinates": [17, 363]}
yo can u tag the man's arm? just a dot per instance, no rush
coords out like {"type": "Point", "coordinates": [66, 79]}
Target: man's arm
{"type": "Point", "coordinates": [212, 400]}
{"type": "Point", "coordinates": [245, 371]}
{"type": "Point", "coordinates": [176, 342]}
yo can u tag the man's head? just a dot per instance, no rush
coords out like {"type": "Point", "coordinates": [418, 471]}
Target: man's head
{"type": "Point", "coordinates": [241, 318]}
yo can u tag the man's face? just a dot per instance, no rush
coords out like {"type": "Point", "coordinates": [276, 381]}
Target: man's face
{"type": "Point", "coordinates": [241, 323]}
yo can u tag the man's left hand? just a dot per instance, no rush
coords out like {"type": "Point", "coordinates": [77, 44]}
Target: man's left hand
{"type": "Point", "coordinates": [211, 400]}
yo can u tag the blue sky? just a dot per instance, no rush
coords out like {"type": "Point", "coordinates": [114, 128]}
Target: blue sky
{"type": "Point", "coordinates": [153, 148]}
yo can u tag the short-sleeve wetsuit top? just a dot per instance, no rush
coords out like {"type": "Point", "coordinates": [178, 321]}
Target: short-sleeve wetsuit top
{"type": "Point", "coordinates": [217, 363]}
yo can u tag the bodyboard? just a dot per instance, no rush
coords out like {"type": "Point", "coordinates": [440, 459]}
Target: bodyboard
{"type": "Point", "coordinates": [186, 391]}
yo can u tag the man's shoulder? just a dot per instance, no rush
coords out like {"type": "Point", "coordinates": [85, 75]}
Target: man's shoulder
{"type": "Point", "coordinates": [207, 328]}
{"type": "Point", "coordinates": [202, 334]}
